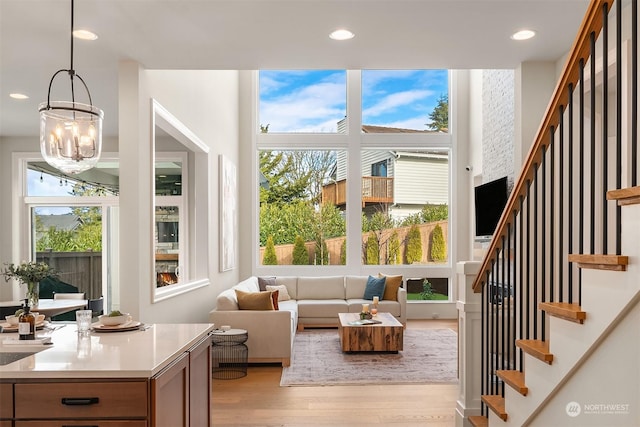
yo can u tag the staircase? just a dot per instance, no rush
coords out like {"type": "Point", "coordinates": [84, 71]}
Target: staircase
{"type": "Point", "coordinates": [561, 282]}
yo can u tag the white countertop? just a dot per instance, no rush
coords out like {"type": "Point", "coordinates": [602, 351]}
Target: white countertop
{"type": "Point", "coordinates": [133, 354]}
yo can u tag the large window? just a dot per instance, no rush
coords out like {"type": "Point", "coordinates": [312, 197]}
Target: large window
{"type": "Point", "coordinates": [68, 221]}
{"type": "Point", "coordinates": [379, 201]}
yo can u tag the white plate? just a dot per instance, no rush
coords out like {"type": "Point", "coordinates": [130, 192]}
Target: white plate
{"type": "Point", "coordinates": [7, 327]}
{"type": "Point", "coordinates": [129, 326]}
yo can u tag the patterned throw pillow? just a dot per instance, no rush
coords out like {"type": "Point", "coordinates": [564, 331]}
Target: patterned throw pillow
{"type": "Point", "coordinates": [255, 300]}
{"type": "Point", "coordinates": [391, 288]}
{"type": "Point", "coordinates": [283, 292]}
{"type": "Point", "coordinates": [375, 287]}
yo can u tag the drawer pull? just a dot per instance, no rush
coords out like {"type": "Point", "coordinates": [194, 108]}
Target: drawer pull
{"type": "Point", "coordinates": [78, 401]}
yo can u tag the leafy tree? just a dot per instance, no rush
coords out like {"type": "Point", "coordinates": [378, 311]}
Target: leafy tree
{"type": "Point", "coordinates": [317, 165]}
{"type": "Point", "coordinates": [269, 257]}
{"type": "Point", "coordinates": [300, 252]}
{"type": "Point", "coordinates": [414, 245]}
{"type": "Point", "coordinates": [343, 252]}
{"type": "Point", "coordinates": [438, 245]}
{"type": "Point", "coordinates": [285, 222]}
{"type": "Point", "coordinates": [440, 115]}
{"type": "Point", "coordinates": [393, 249]}
{"type": "Point", "coordinates": [286, 184]}
{"type": "Point", "coordinates": [372, 249]}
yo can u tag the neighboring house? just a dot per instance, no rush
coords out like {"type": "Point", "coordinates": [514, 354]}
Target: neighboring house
{"type": "Point", "coordinates": [65, 222]}
{"type": "Point", "coordinates": [399, 182]}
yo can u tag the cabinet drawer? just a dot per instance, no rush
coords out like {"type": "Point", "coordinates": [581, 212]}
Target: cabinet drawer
{"type": "Point", "coordinates": [6, 403]}
{"type": "Point", "coordinates": [86, 423]}
{"type": "Point", "coordinates": [81, 400]}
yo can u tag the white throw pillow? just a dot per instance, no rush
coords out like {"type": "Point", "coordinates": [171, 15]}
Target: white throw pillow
{"type": "Point", "coordinates": [283, 294]}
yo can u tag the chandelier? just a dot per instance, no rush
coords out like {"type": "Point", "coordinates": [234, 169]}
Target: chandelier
{"type": "Point", "coordinates": [70, 132]}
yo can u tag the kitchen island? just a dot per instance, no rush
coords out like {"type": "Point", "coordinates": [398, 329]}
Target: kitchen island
{"type": "Point", "coordinates": [159, 376]}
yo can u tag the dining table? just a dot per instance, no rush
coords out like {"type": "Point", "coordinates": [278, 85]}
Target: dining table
{"type": "Point", "coordinates": [51, 307]}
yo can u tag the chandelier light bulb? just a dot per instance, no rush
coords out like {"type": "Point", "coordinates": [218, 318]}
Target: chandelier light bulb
{"type": "Point", "coordinates": [70, 132]}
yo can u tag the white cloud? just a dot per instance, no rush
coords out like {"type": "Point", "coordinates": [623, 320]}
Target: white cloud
{"type": "Point", "coordinates": [310, 109]}
{"type": "Point", "coordinates": [391, 102]}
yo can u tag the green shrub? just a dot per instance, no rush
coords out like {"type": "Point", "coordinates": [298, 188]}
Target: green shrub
{"type": "Point", "coordinates": [343, 252]}
{"type": "Point", "coordinates": [438, 245]}
{"type": "Point", "coordinates": [300, 252]}
{"type": "Point", "coordinates": [373, 251]}
{"type": "Point", "coordinates": [414, 245]}
{"type": "Point", "coordinates": [269, 257]}
{"type": "Point", "coordinates": [393, 251]}
{"type": "Point", "coordinates": [427, 291]}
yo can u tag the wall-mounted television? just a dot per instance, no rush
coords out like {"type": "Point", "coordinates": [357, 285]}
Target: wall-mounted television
{"type": "Point", "coordinates": [490, 200]}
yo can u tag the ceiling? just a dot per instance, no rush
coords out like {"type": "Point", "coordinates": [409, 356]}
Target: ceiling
{"type": "Point", "coordinates": [260, 34]}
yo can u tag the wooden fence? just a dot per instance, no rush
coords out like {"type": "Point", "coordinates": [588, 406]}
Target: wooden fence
{"type": "Point", "coordinates": [80, 269]}
{"type": "Point", "coordinates": [284, 253]}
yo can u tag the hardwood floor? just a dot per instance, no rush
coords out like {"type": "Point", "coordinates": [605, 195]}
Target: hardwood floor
{"type": "Point", "coordinates": [258, 400]}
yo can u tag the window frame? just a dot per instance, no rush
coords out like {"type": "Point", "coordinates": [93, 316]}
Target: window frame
{"type": "Point", "coordinates": [353, 141]}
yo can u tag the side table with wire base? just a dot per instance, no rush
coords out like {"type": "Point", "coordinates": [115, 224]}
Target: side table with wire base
{"type": "Point", "coordinates": [229, 354]}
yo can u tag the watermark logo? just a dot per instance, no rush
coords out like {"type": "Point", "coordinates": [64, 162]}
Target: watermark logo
{"type": "Point", "coordinates": [573, 409]}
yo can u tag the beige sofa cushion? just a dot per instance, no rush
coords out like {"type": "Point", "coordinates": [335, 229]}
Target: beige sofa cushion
{"type": "Point", "coordinates": [291, 282]}
{"type": "Point", "coordinates": [321, 288]}
{"type": "Point", "coordinates": [355, 286]}
{"type": "Point", "coordinates": [227, 299]}
{"type": "Point", "coordinates": [329, 308]}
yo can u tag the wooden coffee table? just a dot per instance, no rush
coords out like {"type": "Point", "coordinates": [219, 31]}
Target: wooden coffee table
{"type": "Point", "coordinates": [384, 336]}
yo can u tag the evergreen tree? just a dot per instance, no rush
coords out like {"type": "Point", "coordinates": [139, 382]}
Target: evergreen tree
{"type": "Point", "coordinates": [393, 251]}
{"type": "Point", "coordinates": [438, 245]}
{"type": "Point", "coordinates": [300, 252]}
{"type": "Point", "coordinates": [343, 252]}
{"type": "Point", "coordinates": [269, 257]}
{"type": "Point", "coordinates": [414, 245]}
{"type": "Point", "coordinates": [373, 250]}
{"type": "Point", "coordinates": [440, 115]}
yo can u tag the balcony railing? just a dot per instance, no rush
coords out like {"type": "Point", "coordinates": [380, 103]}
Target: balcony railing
{"type": "Point", "coordinates": [375, 190]}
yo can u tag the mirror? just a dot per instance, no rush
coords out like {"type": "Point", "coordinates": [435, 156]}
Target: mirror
{"type": "Point", "coordinates": [180, 161]}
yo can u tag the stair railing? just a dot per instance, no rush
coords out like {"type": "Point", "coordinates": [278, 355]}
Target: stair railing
{"type": "Point", "coordinates": [557, 217]}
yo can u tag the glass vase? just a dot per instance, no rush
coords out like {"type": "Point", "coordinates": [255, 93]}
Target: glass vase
{"type": "Point", "coordinates": [33, 294]}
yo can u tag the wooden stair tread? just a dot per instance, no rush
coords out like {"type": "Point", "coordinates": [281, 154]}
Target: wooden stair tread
{"type": "Point", "coordinates": [495, 402]}
{"type": "Point", "coordinates": [600, 262]}
{"type": "Point", "coordinates": [564, 310]}
{"type": "Point", "coordinates": [479, 421]}
{"type": "Point", "coordinates": [515, 379]}
{"type": "Point", "coordinates": [536, 348]}
{"type": "Point", "coordinates": [625, 196]}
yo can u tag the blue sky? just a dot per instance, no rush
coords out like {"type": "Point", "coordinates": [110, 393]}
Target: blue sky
{"type": "Point", "coordinates": [314, 101]}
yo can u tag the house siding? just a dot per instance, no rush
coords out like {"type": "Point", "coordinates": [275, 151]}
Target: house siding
{"type": "Point", "coordinates": [420, 181]}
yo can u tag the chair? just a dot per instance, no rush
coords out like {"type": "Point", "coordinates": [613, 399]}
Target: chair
{"type": "Point", "coordinates": [96, 306]}
{"type": "Point", "coordinates": [8, 311]}
{"type": "Point", "coordinates": [75, 295]}
{"type": "Point", "coordinates": [71, 315]}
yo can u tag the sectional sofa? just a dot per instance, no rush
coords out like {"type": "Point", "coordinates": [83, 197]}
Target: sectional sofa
{"type": "Point", "coordinates": [313, 302]}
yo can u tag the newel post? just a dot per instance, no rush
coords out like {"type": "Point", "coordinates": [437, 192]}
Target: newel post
{"type": "Point", "coordinates": [469, 344]}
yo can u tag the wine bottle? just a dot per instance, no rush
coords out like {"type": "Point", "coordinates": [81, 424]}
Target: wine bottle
{"type": "Point", "coordinates": [27, 323]}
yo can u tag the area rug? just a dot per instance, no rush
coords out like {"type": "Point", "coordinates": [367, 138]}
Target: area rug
{"type": "Point", "coordinates": [430, 356]}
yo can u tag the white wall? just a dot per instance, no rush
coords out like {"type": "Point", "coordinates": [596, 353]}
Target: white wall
{"type": "Point", "coordinates": [207, 103]}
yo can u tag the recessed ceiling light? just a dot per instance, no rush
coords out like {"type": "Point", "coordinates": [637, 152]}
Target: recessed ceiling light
{"type": "Point", "coordinates": [85, 35]}
{"type": "Point", "coordinates": [18, 96]}
{"type": "Point", "coordinates": [341, 34]}
{"type": "Point", "coordinates": [523, 35]}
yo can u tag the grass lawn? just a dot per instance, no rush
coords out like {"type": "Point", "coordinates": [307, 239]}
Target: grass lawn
{"type": "Point", "coordinates": [435, 297]}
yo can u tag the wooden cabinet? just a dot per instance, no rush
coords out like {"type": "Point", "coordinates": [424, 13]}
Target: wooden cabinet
{"type": "Point", "coordinates": [81, 423]}
{"type": "Point", "coordinates": [6, 402]}
{"type": "Point", "coordinates": [124, 400]}
{"type": "Point", "coordinates": [181, 393]}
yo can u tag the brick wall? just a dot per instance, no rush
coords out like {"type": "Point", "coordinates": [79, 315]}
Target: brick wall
{"type": "Point", "coordinates": [498, 133]}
